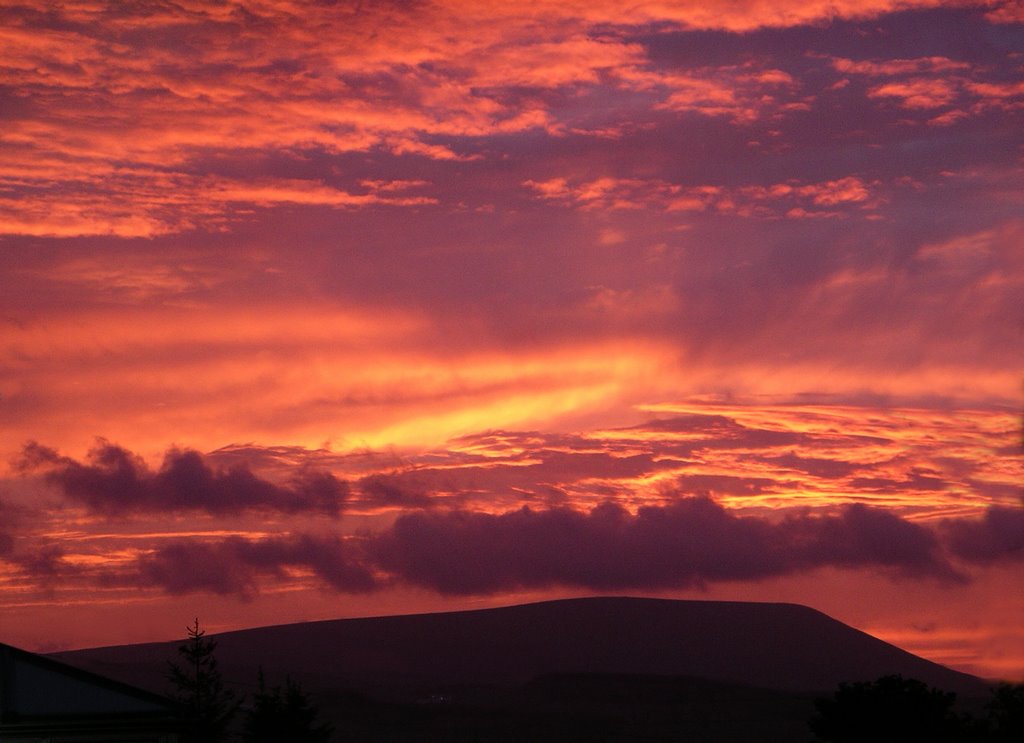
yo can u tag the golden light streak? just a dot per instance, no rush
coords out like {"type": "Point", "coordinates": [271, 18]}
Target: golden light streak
{"type": "Point", "coordinates": [352, 378]}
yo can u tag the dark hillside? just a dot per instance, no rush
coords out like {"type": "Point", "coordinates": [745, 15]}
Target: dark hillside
{"type": "Point", "coordinates": [581, 669]}
{"type": "Point", "coordinates": [774, 646]}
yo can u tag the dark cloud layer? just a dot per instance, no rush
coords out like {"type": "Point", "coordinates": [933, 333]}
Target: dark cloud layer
{"type": "Point", "coordinates": [41, 559]}
{"type": "Point", "coordinates": [689, 542]}
{"type": "Point", "coordinates": [679, 505]}
{"type": "Point", "coordinates": [999, 536]}
{"type": "Point", "coordinates": [115, 481]}
{"type": "Point", "coordinates": [8, 518]}
{"type": "Point", "coordinates": [392, 490]}
{"type": "Point", "coordinates": [44, 563]}
{"type": "Point", "coordinates": [235, 565]}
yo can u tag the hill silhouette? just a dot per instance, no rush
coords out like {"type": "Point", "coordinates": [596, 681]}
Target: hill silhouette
{"type": "Point", "coordinates": [773, 646]}
{"type": "Point", "coordinates": [589, 669]}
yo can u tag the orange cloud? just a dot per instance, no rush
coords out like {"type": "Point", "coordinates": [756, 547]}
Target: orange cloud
{"type": "Point", "coordinates": [892, 67]}
{"type": "Point", "coordinates": [747, 201]}
{"type": "Point", "coordinates": [1006, 11]}
{"type": "Point", "coordinates": [137, 109]}
{"type": "Point", "coordinates": [143, 202]}
{"type": "Point", "coordinates": [917, 93]}
{"type": "Point", "coordinates": [744, 16]}
{"type": "Point", "coordinates": [935, 482]}
{"type": "Point", "coordinates": [935, 82]}
{"type": "Point", "coordinates": [743, 93]}
{"type": "Point", "coordinates": [116, 121]}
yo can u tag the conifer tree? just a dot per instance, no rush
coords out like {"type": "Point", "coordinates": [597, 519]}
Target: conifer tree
{"type": "Point", "coordinates": [199, 688]}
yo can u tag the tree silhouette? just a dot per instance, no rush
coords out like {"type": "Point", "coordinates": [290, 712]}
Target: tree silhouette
{"type": "Point", "coordinates": [890, 710]}
{"type": "Point", "coordinates": [199, 687]}
{"type": "Point", "coordinates": [1006, 713]}
{"type": "Point", "coordinates": [283, 715]}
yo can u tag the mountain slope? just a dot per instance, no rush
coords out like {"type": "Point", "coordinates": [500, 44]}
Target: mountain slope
{"type": "Point", "coordinates": [773, 646]}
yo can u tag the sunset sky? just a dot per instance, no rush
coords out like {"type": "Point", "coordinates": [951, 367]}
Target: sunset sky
{"type": "Point", "coordinates": [326, 309]}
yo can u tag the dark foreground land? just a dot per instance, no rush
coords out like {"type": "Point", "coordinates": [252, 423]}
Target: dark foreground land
{"type": "Point", "coordinates": [582, 669]}
{"type": "Point", "coordinates": [579, 707]}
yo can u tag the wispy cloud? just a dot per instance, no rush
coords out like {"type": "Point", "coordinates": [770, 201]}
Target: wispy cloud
{"type": "Point", "coordinates": [791, 199]}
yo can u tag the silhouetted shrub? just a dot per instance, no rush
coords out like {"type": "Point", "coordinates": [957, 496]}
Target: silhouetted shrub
{"type": "Point", "coordinates": [1006, 714]}
{"type": "Point", "coordinates": [283, 715]}
{"type": "Point", "coordinates": [890, 710]}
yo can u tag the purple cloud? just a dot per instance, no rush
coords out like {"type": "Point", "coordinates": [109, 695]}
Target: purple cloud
{"type": "Point", "coordinates": [861, 535]}
{"type": "Point", "coordinates": [236, 565]}
{"type": "Point", "coordinates": [115, 481]}
{"type": "Point", "coordinates": [393, 490]}
{"type": "Point", "coordinates": [689, 542]}
{"type": "Point", "coordinates": [998, 536]}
